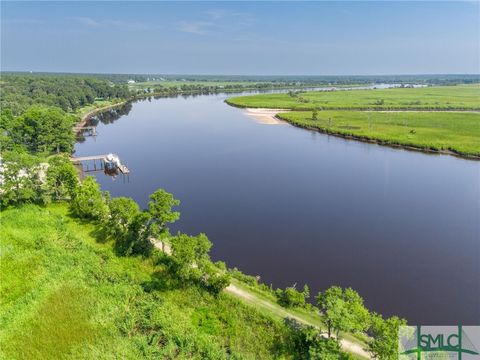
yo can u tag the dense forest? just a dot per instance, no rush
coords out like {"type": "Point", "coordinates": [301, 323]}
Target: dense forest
{"type": "Point", "coordinates": [66, 92]}
{"type": "Point", "coordinates": [433, 79]}
{"type": "Point", "coordinates": [128, 281]}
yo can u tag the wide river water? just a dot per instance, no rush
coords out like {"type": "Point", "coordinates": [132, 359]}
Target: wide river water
{"type": "Point", "coordinates": [295, 206]}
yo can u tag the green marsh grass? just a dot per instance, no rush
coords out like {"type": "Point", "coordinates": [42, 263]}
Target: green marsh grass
{"type": "Point", "coordinates": [460, 97]}
{"type": "Point", "coordinates": [437, 131]}
{"type": "Point", "coordinates": [66, 295]}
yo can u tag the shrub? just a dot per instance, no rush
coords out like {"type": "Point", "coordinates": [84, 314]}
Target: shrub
{"type": "Point", "coordinates": [88, 201]}
{"type": "Point", "coordinates": [290, 297]}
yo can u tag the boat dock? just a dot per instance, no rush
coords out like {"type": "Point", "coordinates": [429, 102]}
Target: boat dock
{"type": "Point", "coordinates": [85, 130]}
{"type": "Point", "coordinates": [105, 161]}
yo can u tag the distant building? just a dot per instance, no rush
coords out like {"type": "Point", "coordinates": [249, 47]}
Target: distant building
{"type": "Point", "coordinates": [131, 81]}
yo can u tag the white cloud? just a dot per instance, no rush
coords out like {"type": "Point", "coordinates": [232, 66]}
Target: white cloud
{"type": "Point", "coordinates": [195, 27]}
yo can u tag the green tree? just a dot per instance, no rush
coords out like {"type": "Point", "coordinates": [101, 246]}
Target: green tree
{"type": "Point", "coordinates": [190, 254]}
{"type": "Point", "coordinates": [384, 334]}
{"type": "Point", "coordinates": [45, 129]}
{"type": "Point", "coordinates": [62, 178]}
{"type": "Point", "coordinates": [342, 310]}
{"type": "Point", "coordinates": [357, 314]}
{"type": "Point", "coordinates": [309, 344]}
{"type": "Point", "coordinates": [21, 179]}
{"type": "Point", "coordinates": [123, 212]}
{"type": "Point", "coordinates": [160, 208]}
{"type": "Point", "coordinates": [315, 114]}
{"type": "Point", "coordinates": [88, 201]}
{"type": "Point", "coordinates": [329, 304]}
{"type": "Point", "coordinates": [137, 240]}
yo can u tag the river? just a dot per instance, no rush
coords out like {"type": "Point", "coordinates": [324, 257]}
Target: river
{"type": "Point", "coordinates": [295, 206]}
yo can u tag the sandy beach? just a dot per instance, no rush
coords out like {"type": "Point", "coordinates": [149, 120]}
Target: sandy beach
{"type": "Point", "coordinates": [265, 116]}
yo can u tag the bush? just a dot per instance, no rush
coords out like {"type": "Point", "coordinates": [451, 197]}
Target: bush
{"type": "Point", "coordinates": [214, 280]}
{"type": "Point", "coordinates": [88, 201]}
{"type": "Point", "coordinates": [244, 278]}
{"type": "Point", "coordinates": [290, 297]}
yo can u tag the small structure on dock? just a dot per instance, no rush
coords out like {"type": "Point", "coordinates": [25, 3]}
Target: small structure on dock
{"type": "Point", "coordinates": [109, 163]}
{"type": "Point", "coordinates": [112, 162]}
{"type": "Point", "coordinates": [85, 130]}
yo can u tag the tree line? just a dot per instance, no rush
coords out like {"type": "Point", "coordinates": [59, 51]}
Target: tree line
{"type": "Point", "coordinates": [68, 92]}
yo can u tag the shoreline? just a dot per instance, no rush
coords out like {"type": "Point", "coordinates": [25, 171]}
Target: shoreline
{"type": "Point", "coordinates": [84, 118]}
{"type": "Point", "coordinates": [266, 116]}
{"type": "Point", "coordinates": [266, 113]}
{"type": "Point", "coordinates": [384, 142]}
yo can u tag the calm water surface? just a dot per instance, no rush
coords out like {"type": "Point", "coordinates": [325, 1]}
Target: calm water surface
{"type": "Point", "coordinates": [294, 206]}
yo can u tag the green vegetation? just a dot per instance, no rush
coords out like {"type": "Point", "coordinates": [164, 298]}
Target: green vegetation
{"type": "Point", "coordinates": [441, 131]}
{"type": "Point", "coordinates": [291, 297]}
{"type": "Point", "coordinates": [453, 132]}
{"type": "Point", "coordinates": [460, 97]}
{"type": "Point", "coordinates": [65, 294]}
{"type": "Point", "coordinates": [68, 92]}
{"type": "Point", "coordinates": [40, 129]}
{"type": "Point", "coordinates": [27, 178]}
{"type": "Point", "coordinates": [102, 278]}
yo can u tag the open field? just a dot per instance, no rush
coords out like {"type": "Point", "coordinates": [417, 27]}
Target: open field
{"type": "Point", "coordinates": [457, 132]}
{"type": "Point", "coordinates": [442, 119]}
{"type": "Point", "coordinates": [460, 97]}
{"type": "Point", "coordinates": [66, 294]}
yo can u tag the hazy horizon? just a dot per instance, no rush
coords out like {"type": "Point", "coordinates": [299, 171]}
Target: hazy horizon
{"type": "Point", "coordinates": [234, 75]}
{"type": "Point", "coordinates": [242, 38]}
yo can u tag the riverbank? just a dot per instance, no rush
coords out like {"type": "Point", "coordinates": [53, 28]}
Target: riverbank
{"type": "Point", "coordinates": [85, 115]}
{"type": "Point", "coordinates": [438, 130]}
{"type": "Point", "coordinates": [442, 133]}
{"type": "Point", "coordinates": [67, 294]}
{"type": "Point", "coordinates": [256, 300]}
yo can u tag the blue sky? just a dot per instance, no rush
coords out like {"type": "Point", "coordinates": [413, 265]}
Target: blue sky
{"type": "Point", "coordinates": [318, 38]}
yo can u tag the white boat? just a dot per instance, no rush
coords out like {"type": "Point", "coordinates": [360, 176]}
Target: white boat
{"type": "Point", "coordinates": [112, 162]}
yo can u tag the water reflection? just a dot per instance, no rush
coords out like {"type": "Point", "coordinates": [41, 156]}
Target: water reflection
{"type": "Point", "coordinates": [402, 228]}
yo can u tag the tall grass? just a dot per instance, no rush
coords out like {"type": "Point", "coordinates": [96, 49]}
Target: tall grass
{"type": "Point", "coordinates": [459, 97]}
{"type": "Point", "coordinates": [436, 131]}
{"type": "Point", "coordinates": [66, 295]}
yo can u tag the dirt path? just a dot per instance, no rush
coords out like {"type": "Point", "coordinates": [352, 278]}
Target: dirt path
{"type": "Point", "coordinates": [162, 246]}
{"type": "Point", "coordinates": [254, 300]}
{"type": "Point", "coordinates": [250, 298]}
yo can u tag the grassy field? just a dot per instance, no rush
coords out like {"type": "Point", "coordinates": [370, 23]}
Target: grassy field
{"type": "Point", "coordinates": [66, 295]}
{"type": "Point", "coordinates": [450, 132]}
{"type": "Point", "coordinates": [457, 132]}
{"type": "Point", "coordinates": [460, 97]}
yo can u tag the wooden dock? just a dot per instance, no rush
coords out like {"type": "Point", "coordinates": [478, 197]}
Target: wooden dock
{"type": "Point", "coordinates": [123, 169]}
{"type": "Point", "coordinates": [88, 158]}
{"type": "Point", "coordinates": [85, 130]}
{"type": "Point", "coordinates": [102, 158]}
